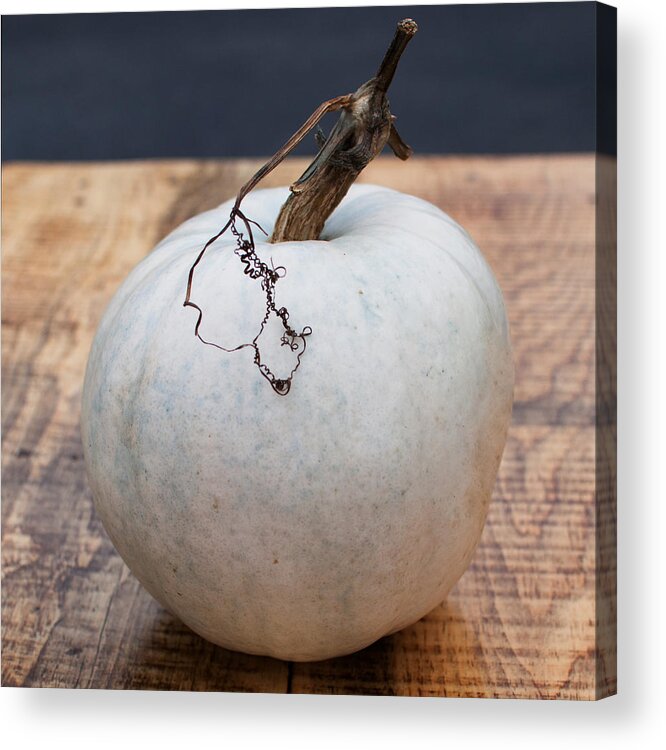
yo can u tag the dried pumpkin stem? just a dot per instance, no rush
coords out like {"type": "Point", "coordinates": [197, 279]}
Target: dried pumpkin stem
{"type": "Point", "coordinates": [365, 126]}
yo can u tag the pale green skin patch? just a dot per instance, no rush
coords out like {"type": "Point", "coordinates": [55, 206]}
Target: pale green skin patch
{"type": "Point", "coordinates": [303, 526]}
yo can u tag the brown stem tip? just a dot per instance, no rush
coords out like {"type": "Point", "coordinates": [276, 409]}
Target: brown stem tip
{"type": "Point", "coordinates": [404, 32]}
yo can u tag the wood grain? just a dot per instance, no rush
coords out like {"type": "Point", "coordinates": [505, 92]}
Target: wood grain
{"type": "Point", "coordinates": [528, 619]}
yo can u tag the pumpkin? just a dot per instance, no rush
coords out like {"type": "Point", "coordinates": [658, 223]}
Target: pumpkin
{"type": "Point", "coordinates": [307, 520]}
{"type": "Point", "coordinates": [308, 526]}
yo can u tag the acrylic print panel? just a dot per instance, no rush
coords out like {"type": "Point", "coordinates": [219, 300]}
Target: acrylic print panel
{"type": "Point", "coordinates": [531, 612]}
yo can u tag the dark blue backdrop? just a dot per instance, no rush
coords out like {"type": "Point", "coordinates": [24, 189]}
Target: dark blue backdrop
{"type": "Point", "coordinates": [482, 78]}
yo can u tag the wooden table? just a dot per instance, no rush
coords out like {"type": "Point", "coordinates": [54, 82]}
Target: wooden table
{"type": "Point", "coordinates": [532, 617]}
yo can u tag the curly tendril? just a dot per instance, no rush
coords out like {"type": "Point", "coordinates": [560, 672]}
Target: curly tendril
{"type": "Point", "coordinates": [256, 269]}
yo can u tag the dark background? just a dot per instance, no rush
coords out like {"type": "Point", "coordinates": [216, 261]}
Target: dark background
{"type": "Point", "coordinates": [476, 79]}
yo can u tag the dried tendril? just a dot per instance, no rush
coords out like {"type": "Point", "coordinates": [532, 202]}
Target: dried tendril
{"type": "Point", "coordinates": [256, 269]}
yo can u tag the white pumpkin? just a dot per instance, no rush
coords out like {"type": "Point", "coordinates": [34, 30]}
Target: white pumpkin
{"type": "Point", "coordinates": [309, 525]}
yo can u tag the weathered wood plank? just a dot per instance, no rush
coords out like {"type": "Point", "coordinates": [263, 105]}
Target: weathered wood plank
{"type": "Point", "coordinates": [521, 622]}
